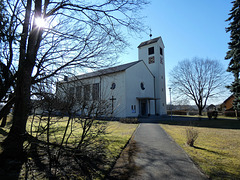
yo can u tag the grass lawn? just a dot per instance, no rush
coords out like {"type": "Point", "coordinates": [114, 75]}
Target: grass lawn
{"type": "Point", "coordinates": [217, 148]}
{"type": "Point", "coordinates": [117, 136]}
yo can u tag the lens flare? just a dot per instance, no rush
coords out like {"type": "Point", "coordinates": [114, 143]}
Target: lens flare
{"type": "Point", "coordinates": [40, 22]}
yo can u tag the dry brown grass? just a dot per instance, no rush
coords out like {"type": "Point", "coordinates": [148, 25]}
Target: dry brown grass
{"type": "Point", "coordinates": [216, 151]}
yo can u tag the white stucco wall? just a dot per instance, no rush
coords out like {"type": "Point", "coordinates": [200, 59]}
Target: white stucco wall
{"type": "Point", "coordinates": [134, 76]}
{"type": "Point", "coordinates": [118, 93]}
{"type": "Point", "coordinates": [106, 93]}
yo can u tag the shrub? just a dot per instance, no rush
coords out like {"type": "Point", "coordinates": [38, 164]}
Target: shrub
{"type": "Point", "coordinates": [212, 114]}
{"type": "Point", "coordinates": [231, 113]}
{"type": "Point", "coordinates": [129, 120]}
{"type": "Point", "coordinates": [177, 112]}
{"type": "Point", "coordinates": [193, 113]}
{"type": "Point", "coordinates": [192, 136]}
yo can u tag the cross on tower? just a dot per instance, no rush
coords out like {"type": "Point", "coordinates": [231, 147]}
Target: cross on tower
{"type": "Point", "coordinates": [112, 99]}
{"type": "Point", "coordinates": [150, 33]}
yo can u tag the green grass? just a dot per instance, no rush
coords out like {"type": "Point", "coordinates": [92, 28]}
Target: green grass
{"type": "Point", "coordinates": [116, 137]}
{"type": "Point", "coordinates": [216, 151]}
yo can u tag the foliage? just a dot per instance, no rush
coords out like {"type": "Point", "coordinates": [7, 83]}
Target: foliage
{"type": "Point", "coordinates": [198, 79]}
{"type": "Point", "coordinates": [192, 135]}
{"type": "Point", "coordinates": [211, 114]}
{"type": "Point", "coordinates": [129, 120]}
{"type": "Point", "coordinates": [234, 52]}
{"type": "Point", "coordinates": [216, 151]}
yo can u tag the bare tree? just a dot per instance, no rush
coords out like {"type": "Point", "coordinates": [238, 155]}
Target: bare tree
{"type": "Point", "coordinates": [198, 80]}
{"type": "Point", "coordinates": [79, 143]}
{"type": "Point", "coordinates": [71, 34]}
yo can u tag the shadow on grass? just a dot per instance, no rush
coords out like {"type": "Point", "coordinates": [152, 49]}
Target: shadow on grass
{"type": "Point", "coordinates": [195, 121]}
{"type": "Point", "coordinates": [125, 166]}
{"type": "Point", "coordinates": [3, 132]}
{"type": "Point", "coordinates": [215, 174]}
{"type": "Point", "coordinates": [204, 149]}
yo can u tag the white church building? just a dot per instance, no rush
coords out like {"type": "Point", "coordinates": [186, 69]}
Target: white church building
{"type": "Point", "coordinates": [135, 89]}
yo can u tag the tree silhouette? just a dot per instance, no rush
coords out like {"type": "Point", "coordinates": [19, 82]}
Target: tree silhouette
{"type": "Point", "coordinates": [234, 52]}
{"type": "Point", "coordinates": [198, 79]}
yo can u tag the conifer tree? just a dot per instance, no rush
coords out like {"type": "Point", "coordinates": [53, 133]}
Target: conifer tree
{"type": "Point", "coordinates": [234, 52]}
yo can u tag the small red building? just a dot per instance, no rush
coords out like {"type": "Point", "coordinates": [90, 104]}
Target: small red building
{"type": "Point", "coordinates": [227, 105]}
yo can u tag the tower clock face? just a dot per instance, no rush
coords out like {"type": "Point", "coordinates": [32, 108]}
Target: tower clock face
{"type": "Point", "coordinates": [151, 60]}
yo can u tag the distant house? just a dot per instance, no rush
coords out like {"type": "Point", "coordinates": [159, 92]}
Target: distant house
{"type": "Point", "coordinates": [227, 105]}
{"type": "Point", "coordinates": [211, 108]}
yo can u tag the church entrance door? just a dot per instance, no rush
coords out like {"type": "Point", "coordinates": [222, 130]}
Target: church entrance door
{"type": "Point", "coordinates": [143, 108]}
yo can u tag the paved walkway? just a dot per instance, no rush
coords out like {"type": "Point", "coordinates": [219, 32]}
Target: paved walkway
{"type": "Point", "coordinates": [153, 155]}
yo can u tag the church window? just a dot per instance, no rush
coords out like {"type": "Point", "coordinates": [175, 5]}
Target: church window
{"type": "Point", "coordinates": [142, 86]}
{"type": "Point", "coordinates": [133, 108]}
{"type": "Point", "coordinates": [86, 92]}
{"type": "Point", "coordinates": [150, 50]}
{"type": "Point", "coordinates": [113, 86]}
{"type": "Point", "coordinates": [95, 91]}
{"type": "Point", "coordinates": [151, 60]}
{"type": "Point", "coordinates": [71, 91]}
{"type": "Point", "coordinates": [161, 51]}
{"type": "Point", "coordinates": [161, 60]}
{"type": "Point", "coordinates": [79, 92]}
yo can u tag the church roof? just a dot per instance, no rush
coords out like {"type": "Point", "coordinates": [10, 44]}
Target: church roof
{"type": "Point", "coordinates": [111, 70]}
{"type": "Point", "coordinates": [149, 42]}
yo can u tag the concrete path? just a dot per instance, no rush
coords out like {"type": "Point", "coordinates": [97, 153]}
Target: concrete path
{"type": "Point", "coordinates": [153, 155]}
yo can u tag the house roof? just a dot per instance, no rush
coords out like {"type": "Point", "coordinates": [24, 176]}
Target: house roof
{"type": "Point", "coordinates": [101, 72]}
{"type": "Point", "coordinates": [149, 42]}
{"type": "Point", "coordinates": [228, 99]}
{"type": "Point", "coordinates": [211, 107]}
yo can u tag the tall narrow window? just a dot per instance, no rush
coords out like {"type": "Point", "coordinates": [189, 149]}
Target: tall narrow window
{"type": "Point", "coordinates": [133, 108]}
{"type": "Point", "coordinates": [161, 51]}
{"type": "Point", "coordinates": [150, 50]}
{"type": "Point", "coordinates": [79, 92]}
{"type": "Point", "coordinates": [71, 91]}
{"type": "Point", "coordinates": [86, 92]}
{"type": "Point", "coordinates": [95, 91]}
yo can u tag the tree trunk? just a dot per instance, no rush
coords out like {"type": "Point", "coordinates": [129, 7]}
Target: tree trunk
{"type": "Point", "coordinates": [199, 111]}
{"type": "Point", "coordinates": [28, 52]}
{"type": "Point", "coordinates": [15, 139]}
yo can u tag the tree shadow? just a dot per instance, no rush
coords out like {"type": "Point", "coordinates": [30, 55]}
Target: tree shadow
{"type": "Point", "coordinates": [11, 162]}
{"type": "Point", "coordinates": [143, 163]}
{"type": "Point", "coordinates": [211, 151]}
{"type": "Point", "coordinates": [125, 166]}
{"type": "Point", "coordinates": [3, 132]}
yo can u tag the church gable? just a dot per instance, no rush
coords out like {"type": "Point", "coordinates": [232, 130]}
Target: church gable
{"type": "Point", "coordinates": [139, 84]}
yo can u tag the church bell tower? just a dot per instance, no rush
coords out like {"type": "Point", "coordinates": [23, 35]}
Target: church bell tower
{"type": "Point", "coordinates": [152, 53]}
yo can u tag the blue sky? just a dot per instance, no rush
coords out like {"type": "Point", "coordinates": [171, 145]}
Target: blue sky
{"type": "Point", "coordinates": [188, 28]}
